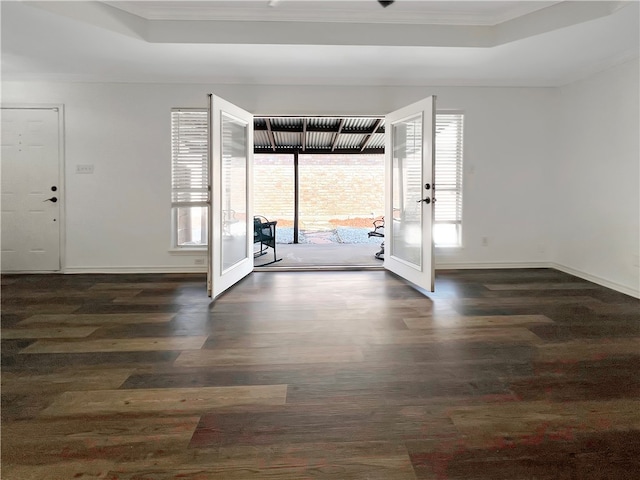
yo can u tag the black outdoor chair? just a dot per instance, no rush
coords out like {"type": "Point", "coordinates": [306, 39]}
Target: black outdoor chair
{"type": "Point", "coordinates": [264, 233]}
{"type": "Point", "coordinates": [378, 231]}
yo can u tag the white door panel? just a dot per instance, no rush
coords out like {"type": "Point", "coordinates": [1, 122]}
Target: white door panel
{"type": "Point", "coordinates": [30, 183]}
{"type": "Point", "coordinates": [409, 160]}
{"type": "Point", "coordinates": [231, 174]}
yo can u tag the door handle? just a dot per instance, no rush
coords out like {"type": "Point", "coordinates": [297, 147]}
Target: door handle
{"type": "Point", "coordinates": [425, 200]}
{"type": "Point", "coordinates": [52, 199]}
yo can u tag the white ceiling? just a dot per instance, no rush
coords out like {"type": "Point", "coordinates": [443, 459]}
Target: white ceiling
{"type": "Point", "coordinates": [357, 11]}
{"type": "Point", "coordinates": [501, 43]}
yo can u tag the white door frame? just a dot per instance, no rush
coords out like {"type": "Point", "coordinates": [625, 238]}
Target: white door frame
{"type": "Point", "coordinates": [58, 107]}
{"type": "Point", "coordinates": [430, 152]}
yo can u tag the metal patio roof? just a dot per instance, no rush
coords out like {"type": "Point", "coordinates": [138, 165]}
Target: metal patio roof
{"type": "Point", "coordinates": [326, 135]}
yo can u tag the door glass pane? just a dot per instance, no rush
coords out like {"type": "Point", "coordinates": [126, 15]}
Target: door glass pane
{"type": "Point", "coordinates": [234, 191]}
{"type": "Point", "coordinates": [407, 190]}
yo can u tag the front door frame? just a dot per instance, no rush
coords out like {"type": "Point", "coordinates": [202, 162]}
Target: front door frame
{"type": "Point", "coordinates": [59, 108]}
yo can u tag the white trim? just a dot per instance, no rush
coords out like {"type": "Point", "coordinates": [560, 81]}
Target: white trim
{"type": "Point", "coordinates": [140, 269]}
{"type": "Point", "coordinates": [329, 12]}
{"type": "Point", "coordinates": [490, 265]}
{"type": "Point", "coordinates": [556, 266]}
{"type": "Point", "coordinates": [62, 186]}
{"type": "Point", "coordinates": [599, 280]}
{"type": "Point", "coordinates": [439, 266]}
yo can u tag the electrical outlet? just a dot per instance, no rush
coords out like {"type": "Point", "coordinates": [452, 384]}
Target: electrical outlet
{"type": "Point", "coordinates": [198, 261]}
{"type": "Point", "coordinates": [84, 168]}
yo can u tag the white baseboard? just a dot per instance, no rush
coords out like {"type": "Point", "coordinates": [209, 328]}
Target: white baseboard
{"type": "Point", "coordinates": [634, 292]}
{"type": "Point", "coordinates": [563, 268]}
{"type": "Point", "coordinates": [490, 265]}
{"type": "Point", "coordinates": [145, 269]}
{"type": "Point", "coordinates": [439, 266]}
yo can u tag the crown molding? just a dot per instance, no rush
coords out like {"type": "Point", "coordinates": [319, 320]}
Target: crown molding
{"type": "Point", "coordinates": [417, 13]}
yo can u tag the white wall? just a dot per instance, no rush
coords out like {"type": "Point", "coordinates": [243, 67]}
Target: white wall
{"type": "Point", "coordinates": [597, 178]}
{"type": "Point", "coordinates": [118, 218]}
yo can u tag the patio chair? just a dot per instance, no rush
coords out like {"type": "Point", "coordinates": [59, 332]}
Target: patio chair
{"type": "Point", "coordinates": [264, 233]}
{"type": "Point", "coordinates": [378, 231]}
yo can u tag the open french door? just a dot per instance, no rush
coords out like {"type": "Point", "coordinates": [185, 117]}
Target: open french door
{"type": "Point", "coordinates": [409, 192]}
{"type": "Point", "coordinates": [230, 195]}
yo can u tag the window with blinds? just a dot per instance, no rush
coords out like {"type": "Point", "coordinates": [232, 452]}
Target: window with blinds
{"type": "Point", "coordinates": [447, 230]}
{"type": "Point", "coordinates": [189, 177]}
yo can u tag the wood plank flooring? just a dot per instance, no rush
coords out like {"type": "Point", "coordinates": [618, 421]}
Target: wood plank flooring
{"type": "Point", "coordinates": [499, 375]}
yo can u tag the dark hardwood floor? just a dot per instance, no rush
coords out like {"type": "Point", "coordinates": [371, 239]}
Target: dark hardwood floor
{"type": "Point", "coordinates": [499, 375]}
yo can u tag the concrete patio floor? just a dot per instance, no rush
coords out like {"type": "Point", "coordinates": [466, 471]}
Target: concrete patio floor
{"type": "Point", "coordinates": [322, 256]}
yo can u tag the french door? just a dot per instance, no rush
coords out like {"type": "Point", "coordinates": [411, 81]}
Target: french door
{"type": "Point", "coordinates": [409, 192]}
{"type": "Point", "coordinates": [230, 195]}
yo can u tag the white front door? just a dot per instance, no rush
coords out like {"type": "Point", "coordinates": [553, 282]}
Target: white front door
{"type": "Point", "coordinates": [230, 195]}
{"type": "Point", "coordinates": [409, 193]}
{"type": "Point", "coordinates": [31, 195]}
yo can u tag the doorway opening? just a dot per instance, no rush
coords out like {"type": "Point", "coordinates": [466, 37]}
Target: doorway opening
{"type": "Point", "coordinates": [409, 141]}
{"type": "Point", "coordinates": [322, 180]}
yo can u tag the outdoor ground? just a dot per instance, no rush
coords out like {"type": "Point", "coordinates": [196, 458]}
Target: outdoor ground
{"type": "Point", "coordinates": [348, 231]}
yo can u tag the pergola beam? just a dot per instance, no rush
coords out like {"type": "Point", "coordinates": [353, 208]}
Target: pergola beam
{"type": "Point", "coordinates": [325, 151]}
{"type": "Point", "coordinates": [299, 129]}
{"type": "Point", "coordinates": [370, 135]}
{"type": "Point", "coordinates": [272, 138]}
{"type": "Point", "coordinates": [337, 135]}
{"type": "Point", "coordinates": [304, 134]}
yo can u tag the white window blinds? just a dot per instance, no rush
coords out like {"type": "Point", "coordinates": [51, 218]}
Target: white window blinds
{"type": "Point", "coordinates": [448, 177]}
{"type": "Point", "coordinates": [189, 176]}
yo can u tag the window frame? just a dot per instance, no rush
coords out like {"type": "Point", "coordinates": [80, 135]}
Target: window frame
{"type": "Point", "coordinates": [175, 205]}
{"type": "Point", "coordinates": [460, 182]}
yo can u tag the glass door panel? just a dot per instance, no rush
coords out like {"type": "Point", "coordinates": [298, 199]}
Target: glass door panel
{"type": "Point", "coordinates": [231, 212]}
{"type": "Point", "coordinates": [409, 151]}
{"type": "Point", "coordinates": [234, 191]}
{"type": "Point", "coordinates": [407, 191]}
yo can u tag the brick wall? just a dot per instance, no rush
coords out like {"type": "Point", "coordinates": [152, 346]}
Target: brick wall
{"type": "Point", "coordinates": [331, 187]}
{"type": "Point", "coordinates": [273, 187]}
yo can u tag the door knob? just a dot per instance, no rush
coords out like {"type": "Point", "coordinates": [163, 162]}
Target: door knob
{"type": "Point", "coordinates": [426, 200]}
{"type": "Point", "coordinates": [52, 199]}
